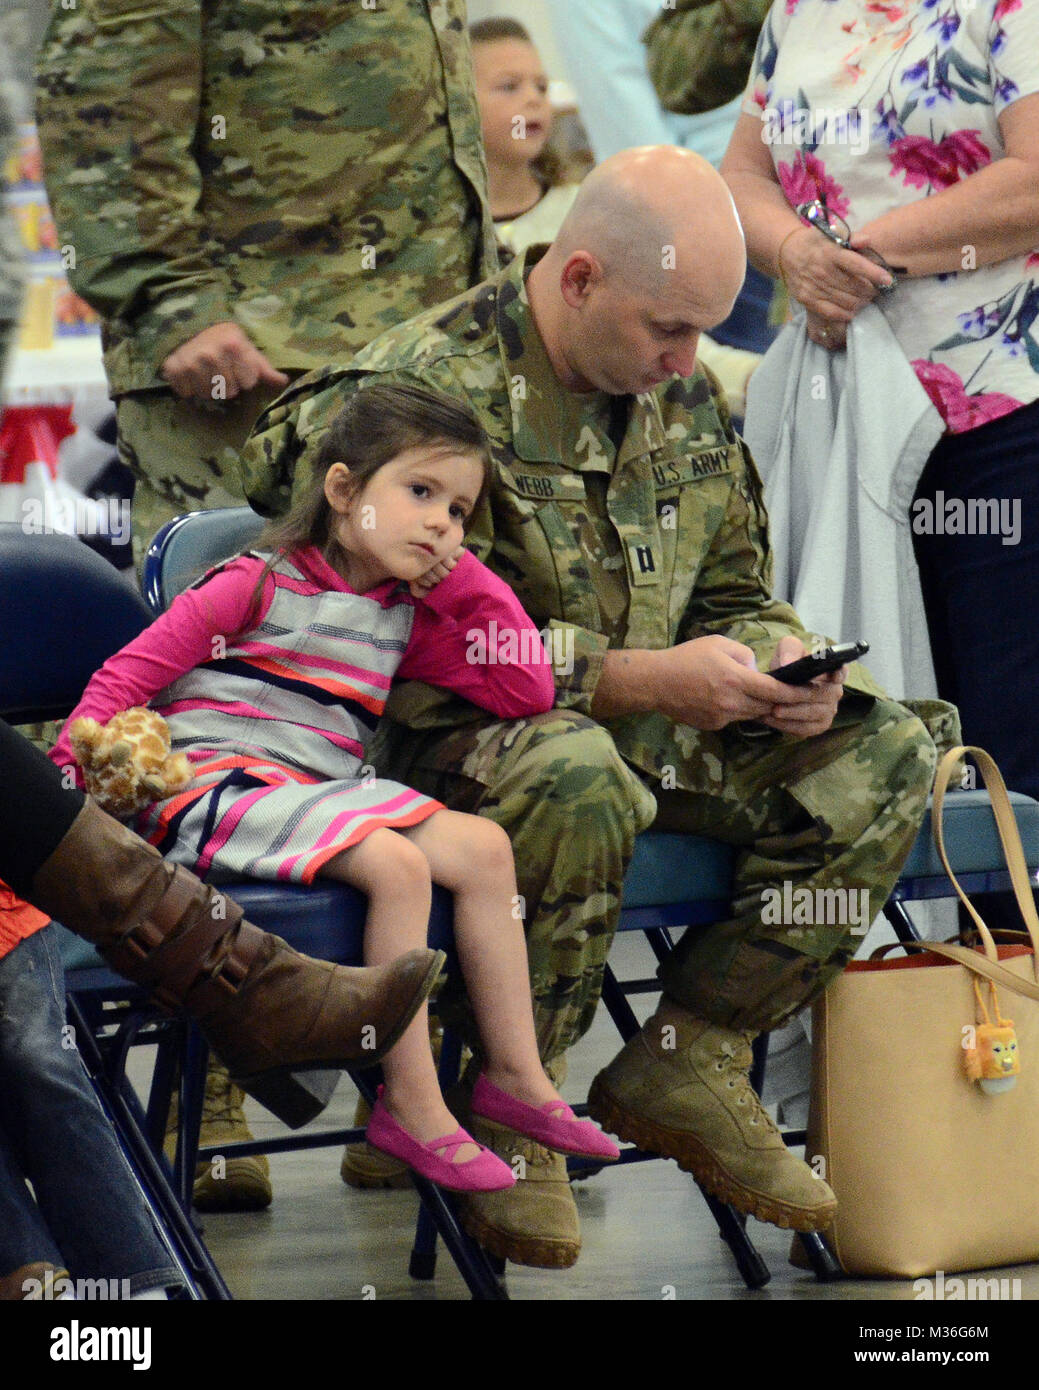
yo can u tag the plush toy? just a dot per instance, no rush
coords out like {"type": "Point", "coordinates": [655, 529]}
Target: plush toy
{"type": "Point", "coordinates": [127, 764]}
{"type": "Point", "coordinates": [993, 1061]}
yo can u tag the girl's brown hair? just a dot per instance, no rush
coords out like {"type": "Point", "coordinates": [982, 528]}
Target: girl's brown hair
{"type": "Point", "coordinates": [376, 424]}
{"type": "Point", "coordinates": [548, 166]}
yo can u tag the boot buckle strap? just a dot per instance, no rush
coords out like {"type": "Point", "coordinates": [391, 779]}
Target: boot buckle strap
{"type": "Point", "coordinates": [210, 992]}
{"type": "Point", "coordinates": [148, 934]}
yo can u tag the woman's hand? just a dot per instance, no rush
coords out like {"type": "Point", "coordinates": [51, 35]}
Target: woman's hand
{"type": "Point", "coordinates": [831, 282]}
{"type": "Point", "coordinates": [828, 335]}
{"type": "Point", "coordinates": [421, 586]}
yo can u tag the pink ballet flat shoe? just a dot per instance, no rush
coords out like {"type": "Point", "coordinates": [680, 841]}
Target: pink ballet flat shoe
{"type": "Point", "coordinates": [484, 1173]}
{"type": "Point", "coordinates": [563, 1132]}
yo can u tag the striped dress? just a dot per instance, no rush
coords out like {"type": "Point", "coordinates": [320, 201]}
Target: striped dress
{"type": "Point", "coordinates": [275, 703]}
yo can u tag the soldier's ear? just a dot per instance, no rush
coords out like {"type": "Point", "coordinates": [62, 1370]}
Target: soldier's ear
{"type": "Point", "coordinates": [339, 488]}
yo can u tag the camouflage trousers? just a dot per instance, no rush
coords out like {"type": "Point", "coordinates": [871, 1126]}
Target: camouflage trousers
{"type": "Point", "coordinates": [839, 811]}
{"type": "Point", "coordinates": [183, 454]}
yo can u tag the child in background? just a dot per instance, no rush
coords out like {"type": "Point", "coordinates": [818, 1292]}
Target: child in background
{"type": "Point", "coordinates": [529, 196]}
{"type": "Point", "coordinates": [273, 675]}
{"type": "Point", "coordinates": [529, 200]}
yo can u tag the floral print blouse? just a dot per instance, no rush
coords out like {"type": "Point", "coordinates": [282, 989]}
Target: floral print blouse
{"type": "Point", "coordinates": [871, 104]}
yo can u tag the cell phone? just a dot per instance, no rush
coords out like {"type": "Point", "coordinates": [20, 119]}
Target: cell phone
{"type": "Point", "coordinates": [806, 668]}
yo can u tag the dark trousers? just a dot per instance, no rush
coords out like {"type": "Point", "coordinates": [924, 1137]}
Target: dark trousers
{"type": "Point", "coordinates": [981, 594]}
{"type": "Point", "coordinates": [36, 809]}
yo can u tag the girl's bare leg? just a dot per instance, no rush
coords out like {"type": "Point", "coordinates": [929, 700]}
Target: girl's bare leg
{"type": "Point", "coordinates": [396, 877]}
{"type": "Point", "coordinates": [471, 856]}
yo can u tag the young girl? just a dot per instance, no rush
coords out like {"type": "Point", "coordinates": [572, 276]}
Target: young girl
{"type": "Point", "coordinates": [273, 675]}
{"type": "Point", "coordinates": [529, 197]}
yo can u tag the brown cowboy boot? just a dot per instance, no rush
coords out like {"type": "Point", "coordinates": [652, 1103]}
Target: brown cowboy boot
{"type": "Point", "coordinates": [271, 1014]}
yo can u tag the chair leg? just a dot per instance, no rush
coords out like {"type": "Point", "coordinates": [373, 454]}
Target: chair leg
{"type": "Point", "coordinates": [194, 1060]}
{"type": "Point", "coordinates": [617, 1004]}
{"type": "Point", "coordinates": [899, 918]}
{"type": "Point", "coordinates": [164, 1078]}
{"type": "Point", "coordinates": [751, 1266]}
{"type": "Point", "coordinates": [119, 1103]}
{"type": "Point", "coordinates": [820, 1257]}
{"type": "Point", "coordinates": [757, 1069]}
{"type": "Point", "coordinates": [471, 1259]}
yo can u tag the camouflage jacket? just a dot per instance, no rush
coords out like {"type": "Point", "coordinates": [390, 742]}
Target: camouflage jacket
{"type": "Point", "coordinates": [646, 545]}
{"type": "Point", "coordinates": [312, 169]}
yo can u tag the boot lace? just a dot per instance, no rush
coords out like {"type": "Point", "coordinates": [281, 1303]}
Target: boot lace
{"type": "Point", "coordinates": [735, 1063]}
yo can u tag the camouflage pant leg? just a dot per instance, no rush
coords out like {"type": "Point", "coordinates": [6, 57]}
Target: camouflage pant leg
{"type": "Point", "coordinates": [572, 809]}
{"type": "Point", "coordinates": [184, 454]}
{"type": "Point", "coordinates": [837, 812]}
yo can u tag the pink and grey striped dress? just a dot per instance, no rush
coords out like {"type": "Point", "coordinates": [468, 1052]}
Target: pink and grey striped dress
{"type": "Point", "coordinates": [275, 704]}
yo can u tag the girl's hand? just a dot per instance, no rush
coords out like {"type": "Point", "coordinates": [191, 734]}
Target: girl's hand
{"type": "Point", "coordinates": [425, 582]}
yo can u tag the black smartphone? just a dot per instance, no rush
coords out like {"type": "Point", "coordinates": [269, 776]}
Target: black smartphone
{"type": "Point", "coordinates": [806, 668]}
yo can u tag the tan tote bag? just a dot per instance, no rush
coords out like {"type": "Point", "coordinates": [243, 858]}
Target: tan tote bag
{"type": "Point", "coordinates": [931, 1170]}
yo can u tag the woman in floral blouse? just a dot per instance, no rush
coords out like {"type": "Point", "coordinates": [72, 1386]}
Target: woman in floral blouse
{"type": "Point", "coordinates": [913, 128]}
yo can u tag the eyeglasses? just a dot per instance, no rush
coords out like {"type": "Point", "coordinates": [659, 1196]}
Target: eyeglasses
{"type": "Point", "coordinates": [833, 226]}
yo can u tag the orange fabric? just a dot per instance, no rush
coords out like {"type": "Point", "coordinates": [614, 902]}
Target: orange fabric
{"type": "Point", "coordinates": [17, 920]}
{"type": "Point", "coordinates": [916, 961]}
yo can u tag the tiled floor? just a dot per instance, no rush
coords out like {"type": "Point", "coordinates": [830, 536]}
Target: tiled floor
{"type": "Point", "coordinates": [647, 1232]}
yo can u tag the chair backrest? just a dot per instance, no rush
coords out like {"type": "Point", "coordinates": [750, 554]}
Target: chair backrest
{"type": "Point", "coordinates": [189, 545]}
{"type": "Point", "coordinates": [63, 612]}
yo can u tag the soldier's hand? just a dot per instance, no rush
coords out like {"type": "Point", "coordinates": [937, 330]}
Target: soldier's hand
{"type": "Point", "coordinates": [813, 713]}
{"type": "Point", "coordinates": [712, 681]}
{"type": "Point", "coordinates": [218, 364]}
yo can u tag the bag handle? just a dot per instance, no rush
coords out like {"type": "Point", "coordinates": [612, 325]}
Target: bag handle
{"type": "Point", "coordinates": [1000, 935]}
{"type": "Point", "coordinates": [979, 965]}
{"type": "Point", "coordinates": [1010, 839]}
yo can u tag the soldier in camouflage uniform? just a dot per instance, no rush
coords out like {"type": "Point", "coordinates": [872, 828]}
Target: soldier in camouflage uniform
{"type": "Point", "coordinates": [628, 517]}
{"type": "Point", "coordinates": [251, 189]}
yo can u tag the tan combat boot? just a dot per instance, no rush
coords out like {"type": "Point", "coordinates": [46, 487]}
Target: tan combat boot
{"type": "Point", "coordinates": [364, 1167]}
{"type": "Point", "coordinates": [275, 1017]}
{"type": "Point", "coordinates": [236, 1184]}
{"type": "Point", "coordinates": [535, 1222]}
{"type": "Point", "coordinates": [680, 1088]}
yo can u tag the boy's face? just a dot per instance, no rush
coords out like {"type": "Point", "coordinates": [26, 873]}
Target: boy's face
{"type": "Point", "coordinates": [512, 90]}
{"type": "Point", "coordinates": [406, 518]}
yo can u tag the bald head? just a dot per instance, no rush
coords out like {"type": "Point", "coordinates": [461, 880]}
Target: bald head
{"type": "Point", "coordinates": [654, 214]}
{"type": "Point", "coordinates": [650, 255]}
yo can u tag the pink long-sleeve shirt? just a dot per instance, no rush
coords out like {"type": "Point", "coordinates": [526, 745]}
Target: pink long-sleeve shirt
{"type": "Point", "coordinates": [469, 635]}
